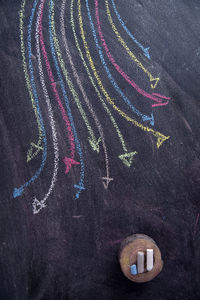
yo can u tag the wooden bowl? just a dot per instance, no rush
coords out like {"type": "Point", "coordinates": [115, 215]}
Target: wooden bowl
{"type": "Point", "coordinates": [128, 256]}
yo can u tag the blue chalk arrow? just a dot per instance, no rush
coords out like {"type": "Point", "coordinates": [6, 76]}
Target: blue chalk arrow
{"type": "Point", "coordinates": [145, 50]}
{"type": "Point", "coordinates": [111, 78]}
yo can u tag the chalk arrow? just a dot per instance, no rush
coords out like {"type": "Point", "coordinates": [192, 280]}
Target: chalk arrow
{"type": "Point", "coordinates": [94, 144]}
{"type": "Point", "coordinates": [106, 181]}
{"type": "Point", "coordinates": [153, 85]}
{"type": "Point", "coordinates": [123, 43]}
{"type": "Point", "coordinates": [33, 151]}
{"type": "Point", "coordinates": [160, 140]}
{"type": "Point", "coordinates": [18, 191]}
{"type": "Point", "coordinates": [37, 206]}
{"type": "Point", "coordinates": [146, 52]}
{"type": "Point", "coordinates": [127, 158]}
{"type": "Point", "coordinates": [148, 118]}
{"type": "Point", "coordinates": [79, 188]}
{"type": "Point", "coordinates": [68, 163]}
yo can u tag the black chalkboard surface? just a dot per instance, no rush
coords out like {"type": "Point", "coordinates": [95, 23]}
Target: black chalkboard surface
{"type": "Point", "coordinates": [100, 139]}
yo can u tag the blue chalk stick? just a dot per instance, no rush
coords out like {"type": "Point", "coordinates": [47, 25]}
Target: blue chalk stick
{"type": "Point", "coordinates": [133, 270]}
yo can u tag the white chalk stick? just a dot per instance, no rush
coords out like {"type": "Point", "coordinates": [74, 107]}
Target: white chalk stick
{"type": "Point", "coordinates": [149, 259]}
{"type": "Point", "coordinates": [140, 262]}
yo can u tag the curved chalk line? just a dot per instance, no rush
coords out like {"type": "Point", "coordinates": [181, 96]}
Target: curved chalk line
{"type": "Point", "coordinates": [160, 137]}
{"type": "Point", "coordinates": [145, 50]}
{"type": "Point", "coordinates": [121, 72]}
{"type": "Point", "coordinates": [112, 80]}
{"type": "Point", "coordinates": [130, 53]}
{"type": "Point", "coordinates": [107, 178]}
{"type": "Point", "coordinates": [126, 157]}
{"type": "Point", "coordinates": [39, 204]}
{"type": "Point", "coordinates": [18, 191]}
{"type": "Point", "coordinates": [79, 186]}
{"type": "Point", "coordinates": [69, 161]}
{"type": "Point", "coordinates": [94, 142]}
{"type": "Point", "coordinates": [37, 146]}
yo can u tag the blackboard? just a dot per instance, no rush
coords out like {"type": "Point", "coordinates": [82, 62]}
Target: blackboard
{"type": "Point", "coordinates": [99, 119]}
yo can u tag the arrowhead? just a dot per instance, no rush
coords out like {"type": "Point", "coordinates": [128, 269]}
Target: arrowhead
{"type": "Point", "coordinates": [127, 158]}
{"type": "Point", "coordinates": [33, 151]}
{"type": "Point", "coordinates": [94, 144]}
{"type": "Point", "coordinates": [106, 181]}
{"type": "Point", "coordinates": [161, 140]}
{"type": "Point", "coordinates": [18, 192]}
{"type": "Point", "coordinates": [153, 86]}
{"type": "Point", "coordinates": [37, 206]}
{"type": "Point", "coordinates": [146, 53]}
{"type": "Point", "coordinates": [149, 118]}
{"type": "Point", "coordinates": [79, 188]}
{"type": "Point", "coordinates": [69, 162]}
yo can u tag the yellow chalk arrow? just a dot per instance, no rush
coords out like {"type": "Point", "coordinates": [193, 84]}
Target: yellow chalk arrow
{"type": "Point", "coordinates": [30, 154]}
{"type": "Point", "coordinates": [160, 137]}
{"type": "Point", "coordinates": [153, 81]}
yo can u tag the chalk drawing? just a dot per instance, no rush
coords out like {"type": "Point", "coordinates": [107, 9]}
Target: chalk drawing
{"type": "Point", "coordinates": [127, 160]}
{"type": "Point", "coordinates": [39, 204]}
{"type": "Point", "coordinates": [35, 147]}
{"type": "Point", "coordinates": [68, 121]}
{"type": "Point", "coordinates": [94, 142]}
{"type": "Point", "coordinates": [31, 71]}
{"type": "Point", "coordinates": [53, 86]}
{"type": "Point", "coordinates": [80, 186]}
{"type": "Point", "coordinates": [18, 191]}
{"type": "Point", "coordinates": [144, 50]}
{"type": "Point", "coordinates": [115, 85]}
{"type": "Point", "coordinates": [160, 137]}
{"type": "Point", "coordinates": [106, 179]}
{"type": "Point", "coordinates": [154, 81]}
{"type": "Point", "coordinates": [118, 68]}
{"type": "Point", "coordinates": [144, 118]}
{"type": "Point", "coordinates": [87, 116]}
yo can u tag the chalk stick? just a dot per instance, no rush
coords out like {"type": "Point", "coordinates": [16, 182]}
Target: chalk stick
{"type": "Point", "coordinates": [134, 270]}
{"type": "Point", "coordinates": [140, 262]}
{"type": "Point", "coordinates": [128, 257]}
{"type": "Point", "coordinates": [149, 259]}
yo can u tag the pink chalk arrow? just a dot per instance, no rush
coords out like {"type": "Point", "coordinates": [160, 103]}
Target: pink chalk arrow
{"type": "Point", "coordinates": [69, 162]}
